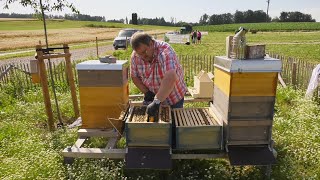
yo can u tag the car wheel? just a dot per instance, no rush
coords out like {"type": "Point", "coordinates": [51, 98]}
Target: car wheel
{"type": "Point", "coordinates": [116, 48]}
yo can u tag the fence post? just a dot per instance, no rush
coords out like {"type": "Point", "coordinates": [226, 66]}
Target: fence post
{"type": "Point", "coordinates": [97, 47]}
{"type": "Point", "coordinates": [294, 75]}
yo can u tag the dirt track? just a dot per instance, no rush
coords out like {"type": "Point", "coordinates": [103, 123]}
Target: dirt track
{"type": "Point", "coordinates": [76, 55]}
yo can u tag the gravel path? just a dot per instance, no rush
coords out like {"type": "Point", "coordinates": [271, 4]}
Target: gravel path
{"type": "Point", "coordinates": [76, 54]}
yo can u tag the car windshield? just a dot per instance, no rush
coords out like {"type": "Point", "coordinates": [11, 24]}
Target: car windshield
{"type": "Point", "coordinates": [126, 33]}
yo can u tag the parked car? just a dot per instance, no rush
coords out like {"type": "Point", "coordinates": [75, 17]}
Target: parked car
{"type": "Point", "coordinates": [124, 34]}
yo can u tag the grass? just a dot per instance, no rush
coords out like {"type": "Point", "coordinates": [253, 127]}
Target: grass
{"type": "Point", "coordinates": [302, 45]}
{"type": "Point", "coordinates": [29, 151]}
{"type": "Point", "coordinates": [285, 26]}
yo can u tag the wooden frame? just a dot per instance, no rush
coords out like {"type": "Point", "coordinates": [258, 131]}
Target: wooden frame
{"type": "Point", "coordinates": [197, 128]}
{"type": "Point", "coordinates": [152, 134]}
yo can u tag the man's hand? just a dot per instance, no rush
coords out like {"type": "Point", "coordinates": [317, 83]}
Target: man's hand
{"type": "Point", "coordinates": [153, 108]}
{"type": "Point", "coordinates": [148, 96]}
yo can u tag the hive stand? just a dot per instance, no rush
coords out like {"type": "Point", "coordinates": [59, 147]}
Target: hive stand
{"type": "Point", "coordinates": [43, 54]}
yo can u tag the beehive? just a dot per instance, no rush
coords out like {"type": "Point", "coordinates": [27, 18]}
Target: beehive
{"type": "Point", "coordinates": [104, 91]}
{"type": "Point", "coordinates": [244, 97]}
{"type": "Point", "coordinates": [140, 133]}
{"type": "Point", "coordinates": [197, 128]}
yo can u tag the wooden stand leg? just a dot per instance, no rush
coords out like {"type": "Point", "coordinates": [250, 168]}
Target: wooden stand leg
{"type": "Point", "coordinates": [45, 88]}
{"type": "Point", "coordinates": [71, 81]}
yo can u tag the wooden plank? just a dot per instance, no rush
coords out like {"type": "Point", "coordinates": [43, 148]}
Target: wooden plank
{"type": "Point", "coordinates": [184, 119]}
{"type": "Point", "coordinates": [52, 56]}
{"type": "Point", "coordinates": [194, 117]}
{"type": "Point", "coordinates": [112, 142]}
{"type": "Point", "coordinates": [192, 120]}
{"type": "Point", "coordinates": [200, 117]}
{"type": "Point", "coordinates": [188, 119]}
{"type": "Point", "coordinates": [94, 153]}
{"type": "Point", "coordinates": [209, 118]}
{"type": "Point", "coordinates": [179, 117]}
{"type": "Point", "coordinates": [97, 133]}
{"type": "Point", "coordinates": [79, 142]}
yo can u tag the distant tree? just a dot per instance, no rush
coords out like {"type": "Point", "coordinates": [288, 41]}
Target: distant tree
{"type": "Point", "coordinates": [204, 19]}
{"type": "Point", "coordinates": [239, 17]}
{"type": "Point", "coordinates": [295, 17]}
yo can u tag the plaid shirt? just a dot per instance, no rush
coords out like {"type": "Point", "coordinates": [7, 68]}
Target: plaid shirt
{"type": "Point", "coordinates": [151, 74]}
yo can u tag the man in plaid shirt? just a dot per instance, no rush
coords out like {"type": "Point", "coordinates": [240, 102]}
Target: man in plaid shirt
{"type": "Point", "coordinates": [156, 71]}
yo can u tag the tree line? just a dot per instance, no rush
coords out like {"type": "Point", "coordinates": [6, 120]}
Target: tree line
{"type": "Point", "coordinates": [250, 16]}
{"type": "Point", "coordinates": [75, 16]}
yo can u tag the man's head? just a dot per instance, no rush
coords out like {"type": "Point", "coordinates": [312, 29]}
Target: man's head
{"type": "Point", "coordinates": [143, 45]}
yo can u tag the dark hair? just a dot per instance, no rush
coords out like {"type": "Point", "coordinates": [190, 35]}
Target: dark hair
{"type": "Point", "coordinates": [139, 38]}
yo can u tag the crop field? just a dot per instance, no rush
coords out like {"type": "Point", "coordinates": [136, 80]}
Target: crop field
{"type": "Point", "coordinates": [19, 34]}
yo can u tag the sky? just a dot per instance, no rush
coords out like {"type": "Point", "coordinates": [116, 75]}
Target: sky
{"type": "Point", "coordinates": [180, 10]}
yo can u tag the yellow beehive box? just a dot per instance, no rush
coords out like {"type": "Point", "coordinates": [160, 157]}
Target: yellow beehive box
{"type": "Point", "coordinates": [244, 97]}
{"type": "Point", "coordinates": [103, 90]}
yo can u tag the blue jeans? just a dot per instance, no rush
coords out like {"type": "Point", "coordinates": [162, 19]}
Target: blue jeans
{"type": "Point", "coordinates": [179, 104]}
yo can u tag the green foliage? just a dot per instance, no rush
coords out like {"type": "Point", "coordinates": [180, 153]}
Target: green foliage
{"type": "Point", "coordinates": [123, 54]}
{"type": "Point", "coordinates": [99, 26]}
{"type": "Point", "coordinates": [297, 137]}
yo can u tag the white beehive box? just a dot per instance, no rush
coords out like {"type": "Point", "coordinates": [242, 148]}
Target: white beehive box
{"type": "Point", "coordinates": [203, 85]}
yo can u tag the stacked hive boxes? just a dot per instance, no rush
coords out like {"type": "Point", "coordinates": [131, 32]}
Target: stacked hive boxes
{"type": "Point", "coordinates": [244, 97]}
{"type": "Point", "coordinates": [104, 91]}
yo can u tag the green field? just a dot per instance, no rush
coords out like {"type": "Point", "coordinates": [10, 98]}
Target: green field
{"type": "Point", "coordinates": [304, 44]}
{"type": "Point", "coordinates": [66, 24]}
{"type": "Point", "coordinates": [285, 26]}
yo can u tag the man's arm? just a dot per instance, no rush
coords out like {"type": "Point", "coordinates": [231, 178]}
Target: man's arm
{"type": "Point", "coordinates": [137, 81]}
{"type": "Point", "coordinates": [167, 85]}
